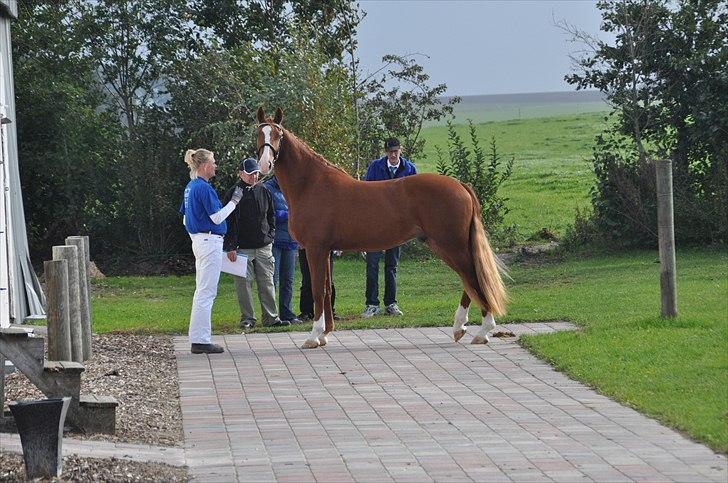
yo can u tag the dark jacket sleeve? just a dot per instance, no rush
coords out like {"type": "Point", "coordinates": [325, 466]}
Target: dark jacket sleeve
{"type": "Point", "coordinates": [370, 172]}
{"type": "Point", "coordinates": [270, 214]}
{"type": "Point", "coordinates": [230, 241]}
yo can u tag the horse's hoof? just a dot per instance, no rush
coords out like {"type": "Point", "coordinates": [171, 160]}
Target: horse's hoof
{"type": "Point", "coordinates": [458, 334]}
{"type": "Point", "coordinates": [480, 339]}
{"type": "Point", "coordinates": [310, 344]}
{"type": "Point", "coordinates": [323, 340]}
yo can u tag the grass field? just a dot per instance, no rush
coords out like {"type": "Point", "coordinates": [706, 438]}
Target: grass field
{"type": "Point", "coordinates": [676, 370]}
{"type": "Point", "coordinates": [506, 107]}
{"type": "Point", "coordinates": [552, 171]}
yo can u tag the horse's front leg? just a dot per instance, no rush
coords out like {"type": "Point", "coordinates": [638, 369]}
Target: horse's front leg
{"type": "Point", "coordinates": [318, 262]}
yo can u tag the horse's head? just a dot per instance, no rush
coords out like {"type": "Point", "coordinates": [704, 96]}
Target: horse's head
{"type": "Point", "coordinates": [269, 136]}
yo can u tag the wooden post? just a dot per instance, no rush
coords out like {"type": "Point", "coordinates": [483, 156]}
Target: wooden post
{"type": "Point", "coordinates": [57, 308]}
{"type": "Point", "coordinates": [87, 250]}
{"type": "Point", "coordinates": [84, 298]}
{"type": "Point", "coordinates": [70, 253]}
{"type": "Point", "coordinates": [2, 386]}
{"type": "Point", "coordinates": [666, 238]}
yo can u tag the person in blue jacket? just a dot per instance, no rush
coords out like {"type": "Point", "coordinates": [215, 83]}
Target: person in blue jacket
{"type": "Point", "coordinates": [390, 166]}
{"type": "Point", "coordinates": [284, 253]}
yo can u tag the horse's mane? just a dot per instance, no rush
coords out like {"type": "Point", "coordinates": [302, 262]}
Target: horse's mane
{"type": "Point", "coordinates": [316, 156]}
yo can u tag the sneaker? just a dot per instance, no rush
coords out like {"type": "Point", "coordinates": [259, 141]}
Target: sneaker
{"type": "Point", "coordinates": [247, 323]}
{"type": "Point", "coordinates": [206, 349]}
{"type": "Point", "coordinates": [370, 311]}
{"type": "Point", "coordinates": [392, 309]}
{"type": "Point", "coordinates": [294, 320]}
{"type": "Point", "coordinates": [305, 317]}
{"type": "Point", "coordinates": [277, 323]}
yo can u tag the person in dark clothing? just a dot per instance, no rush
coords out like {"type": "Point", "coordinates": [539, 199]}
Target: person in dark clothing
{"type": "Point", "coordinates": [251, 231]}
{"type": "Point", "coordinates": [305, 303]}
{"type": "Point", "coordinates": [390, 166]}
{"type": "Point", "coordinates": [284, 252]}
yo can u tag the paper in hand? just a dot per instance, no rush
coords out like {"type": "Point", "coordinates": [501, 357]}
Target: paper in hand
{"type": "Point", "coordinates": [239, 267]}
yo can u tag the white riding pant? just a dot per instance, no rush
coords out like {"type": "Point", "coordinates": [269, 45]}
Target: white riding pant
{"type": "Point", "coordinates": [208, 260]}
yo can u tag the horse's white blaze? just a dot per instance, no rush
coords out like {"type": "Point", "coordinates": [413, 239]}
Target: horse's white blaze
{"type": "Point", "coordinates": [461, 317]}
{"type": "Point", "coordinates": [317, 330]}
{"type": "Point", "coordinates": [487, 325]}
{"type": "Point", "coordinates": [267, 155]}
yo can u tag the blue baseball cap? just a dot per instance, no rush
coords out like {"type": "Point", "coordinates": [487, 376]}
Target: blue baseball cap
{"type": "Point", "coordinates": [249, 166]}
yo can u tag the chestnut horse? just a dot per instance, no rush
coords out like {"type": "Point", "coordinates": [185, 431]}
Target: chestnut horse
{"type": "Point", "coordinates": [330, 210]}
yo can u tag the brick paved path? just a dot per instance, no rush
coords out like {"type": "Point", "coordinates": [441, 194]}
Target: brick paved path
{"type": "Point", "coordinates": [410, 405]}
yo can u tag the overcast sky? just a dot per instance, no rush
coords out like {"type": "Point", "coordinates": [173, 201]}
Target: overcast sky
{"type": "Point", "coordinates": [478, 47]}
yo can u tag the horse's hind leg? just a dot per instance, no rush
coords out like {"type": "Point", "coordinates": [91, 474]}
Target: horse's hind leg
{"type": "Point", "coordinates": [461, 317]}
{"type": "Point", "coordinates": [458, 258]}
{"type": "Point", "coordinates": [487, 325]}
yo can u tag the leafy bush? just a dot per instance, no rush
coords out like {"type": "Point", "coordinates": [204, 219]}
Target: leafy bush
{"type": "Point", "coordinates": [485, 172]}
{"type": "Point", "coordinates": [624, 199]}
{"type": "Point", "coordinates": [664, 73]}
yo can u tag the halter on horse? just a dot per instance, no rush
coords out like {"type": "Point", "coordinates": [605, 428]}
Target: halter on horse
{"type": "Point", "coordinates": [331, 210]}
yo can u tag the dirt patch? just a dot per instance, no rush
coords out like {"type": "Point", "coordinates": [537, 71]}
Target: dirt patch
{"type": "Point", "coordinates": [141, 373]}
{"type": "Point", "coordinates": [12, 469]}
{"type": "Point", "coordinates": [502, 333]}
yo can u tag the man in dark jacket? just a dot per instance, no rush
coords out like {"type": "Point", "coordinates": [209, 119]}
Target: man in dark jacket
{"type": "Point", "coordinates": [390, 166]}
{"type": "Point", "coordinates": [251, 231]}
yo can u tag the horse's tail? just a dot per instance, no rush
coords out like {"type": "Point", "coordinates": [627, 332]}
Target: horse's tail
{"type": "Point", "coordinates": [487, 265]}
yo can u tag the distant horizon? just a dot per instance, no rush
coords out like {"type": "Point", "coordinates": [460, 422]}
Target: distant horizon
{"type": "Point", "coordinates": [594, 93]}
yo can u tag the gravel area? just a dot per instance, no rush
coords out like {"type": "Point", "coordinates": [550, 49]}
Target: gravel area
{"type": "Point", "coordinates": [12, 469]}
{"type": "Point", "coordinates": [141, 373]}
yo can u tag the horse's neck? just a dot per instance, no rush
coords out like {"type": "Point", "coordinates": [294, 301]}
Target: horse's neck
{"type": "Point", "coordinates": [299, 168]}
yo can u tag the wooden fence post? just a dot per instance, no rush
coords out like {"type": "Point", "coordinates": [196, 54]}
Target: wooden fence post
{"type": "Point", "coordinates": [59, 324]}
{"type": "Point", "coordinates": [70, 253]}
{"type": "Point", "coordinates": [666, 238]}
{"type": "Point", "coordinates": [84, 297]}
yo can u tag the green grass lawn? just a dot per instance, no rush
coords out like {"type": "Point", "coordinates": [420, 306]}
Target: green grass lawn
{"type": "Point", "coordinates": [676, 371]}
{"type": "Point", "coordinates": [552, 172]}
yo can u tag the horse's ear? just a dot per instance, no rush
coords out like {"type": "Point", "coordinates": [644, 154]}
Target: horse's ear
{"type": "Point", "coordinates": [260, 115]}
{"type": "Point", "coordinates": [279, 116]}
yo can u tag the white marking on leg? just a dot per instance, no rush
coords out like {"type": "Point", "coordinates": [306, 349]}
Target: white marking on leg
{"type": "Point", "coordinates": [487, 325]}
{"type": "Point", "coordinates": [316, 332]}
{"type": "Point", "coordinates": [461, 318]}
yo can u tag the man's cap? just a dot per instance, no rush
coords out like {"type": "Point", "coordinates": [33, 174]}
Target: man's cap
{"type": "Point", "coordinates": [391, 143]}
{"type": "Point", "coordinates": [249, 166]}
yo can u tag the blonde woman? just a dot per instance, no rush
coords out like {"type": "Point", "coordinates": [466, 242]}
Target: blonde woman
{"type": "Point", "coordinates": [204, 219]}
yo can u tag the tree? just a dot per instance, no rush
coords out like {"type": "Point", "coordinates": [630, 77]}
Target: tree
{"type": "Point", "coordinates": [667, 79]}
{"type": "Point", "coordinates": [273, 24]}
{"type": "Point", "coordinates": [398, 103]}
{"type": "Point", "coordinates": [132, 43]}
{"type": "Point", "coordinates": [67, 143]}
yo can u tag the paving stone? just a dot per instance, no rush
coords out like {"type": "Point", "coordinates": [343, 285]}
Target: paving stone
{"type": "Point", "coordinates": [411, 405]}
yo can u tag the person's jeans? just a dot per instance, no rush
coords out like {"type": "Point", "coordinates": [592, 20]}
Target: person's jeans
{"type": "Point", "coordinates": [305, 303]}
{"type": "Point", "coordinates": [283, 277]}
{"type": "Point", "coordinates": [208, 260]}
{"type": "Point", "coordinates": [261, 266]}
{"type": "Point", "coordinates": [391, 260]}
